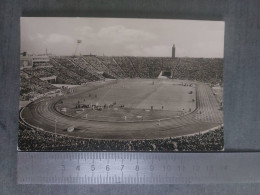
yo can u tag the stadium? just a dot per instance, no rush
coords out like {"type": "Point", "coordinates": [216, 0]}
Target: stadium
{"type": "Point", "coordinates": [91, 102]}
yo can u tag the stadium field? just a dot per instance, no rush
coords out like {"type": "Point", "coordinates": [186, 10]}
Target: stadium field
{"type": "Point", "coordinates": [135, 109]}
{"type": "Point", "coordinates": [132, 100]}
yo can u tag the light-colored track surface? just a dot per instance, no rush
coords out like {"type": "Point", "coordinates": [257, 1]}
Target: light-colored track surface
{"type": "Point", "coordinates": [42, 114]}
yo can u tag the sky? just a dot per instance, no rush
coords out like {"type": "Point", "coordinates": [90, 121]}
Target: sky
{"type": "Point", "coordinates": [122, 37]}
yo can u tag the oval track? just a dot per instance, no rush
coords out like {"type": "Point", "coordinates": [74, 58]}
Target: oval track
{"type": "Point", "coordinates": [42, 114]}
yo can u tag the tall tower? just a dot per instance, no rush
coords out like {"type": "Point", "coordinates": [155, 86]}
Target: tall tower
{"type": "Point", "coordinates": [173, 51]}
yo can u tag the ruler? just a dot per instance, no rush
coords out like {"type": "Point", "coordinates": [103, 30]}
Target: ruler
{"type": "Point", "coordinates": [137, 168]}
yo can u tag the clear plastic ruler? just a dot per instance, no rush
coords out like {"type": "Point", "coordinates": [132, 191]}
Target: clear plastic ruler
{"type": "Point", "coordinates": [137, 168]}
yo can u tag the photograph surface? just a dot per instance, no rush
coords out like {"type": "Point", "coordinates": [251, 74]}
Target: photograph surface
{"type": "Point", "coordinates": [114, 84]}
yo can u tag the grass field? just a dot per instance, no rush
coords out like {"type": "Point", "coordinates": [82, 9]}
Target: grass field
{"type": "Point", "coordinates": [142, 99]}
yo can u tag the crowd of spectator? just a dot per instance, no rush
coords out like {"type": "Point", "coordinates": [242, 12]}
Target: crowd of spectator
{"type": "Point", "coordinates": [127, 66]}
{"type": "Point", "coordinates": [30, 139]}
{"type": "Point", "coordinates": [39, 72]}
{"type": "Point", "coordinates": [31, 86]}
{"type": "Point", "coordinates": [75, 65]}
{"type": "Point", "coordinates": [154, 66]}
{"type": "Point", "coordinates": [140, 66]}
{"type": "Point", "coordinates": [99, 65]}
{"type": "Point", "coordinates": [87, 68]}
{"type": "Point", "coordinates": [84, 69]}
{"type": "Point", "coordinates": [113, 66]}
{"type": "Point", "coordinates": [208, 70]}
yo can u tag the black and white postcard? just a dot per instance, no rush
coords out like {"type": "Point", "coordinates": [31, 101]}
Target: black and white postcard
{"type": "Point", "coordinates": [107, 84]}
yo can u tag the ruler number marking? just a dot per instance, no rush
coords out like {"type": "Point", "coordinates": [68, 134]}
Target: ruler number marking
{"type": "Point", "coordinates": [142, 170]}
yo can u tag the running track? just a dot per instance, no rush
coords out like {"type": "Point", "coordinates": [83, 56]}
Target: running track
{"type": "Point", "coordinates": [42, 114]}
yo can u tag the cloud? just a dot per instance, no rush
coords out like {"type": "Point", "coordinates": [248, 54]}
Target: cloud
{"type": "Point", "coordinates": [31, 38]}
{"type": "Point", "coordinates": [116, 40]}
{"type": "Point", "coordinates": [59, 38]}
{"type": "Point", "coordinates": [39, 36]}
{"type": "Point", "coordinates": [153, 50]}
{"type": "Point", "coordinates": [158, 50]}
{"type": "Point", "coordinates": [84, 30]}
{"type": "Point", "coordinates": [121, 34]}
{"type": "Point", "coordinates": [35, 37]}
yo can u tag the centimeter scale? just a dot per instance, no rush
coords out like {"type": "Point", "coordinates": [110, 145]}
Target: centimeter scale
{"type": "Point", "coordinates": [137, 168]}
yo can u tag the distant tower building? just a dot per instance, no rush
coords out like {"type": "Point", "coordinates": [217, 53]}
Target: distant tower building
{"type": "Point", "coordinates": [173, 51]}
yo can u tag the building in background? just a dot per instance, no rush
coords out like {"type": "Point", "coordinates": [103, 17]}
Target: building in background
{"type": "Point", "coordinates": [31, 60]}
{"type": "Point", "coordinates": [25, 60]}
{"type": "Point", "coordinates": [173, 51]}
